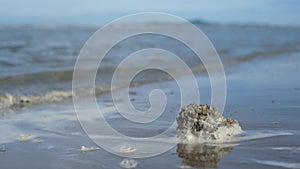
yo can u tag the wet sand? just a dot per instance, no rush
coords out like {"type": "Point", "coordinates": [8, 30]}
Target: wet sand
{"type": "Point", "coordinates": [263, 95]}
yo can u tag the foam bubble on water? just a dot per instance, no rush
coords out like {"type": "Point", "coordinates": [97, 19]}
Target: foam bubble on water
{"type": "Point", "coordinates": [184, 167]}
{"type": "Point", "coordinates": [128, 163]}
{"type": "Point", "coordinates": [25, 137]}
{"type": "Point", "coordinates": [85, 149]}
{"type": "Point", "coordinates": [125, 148]}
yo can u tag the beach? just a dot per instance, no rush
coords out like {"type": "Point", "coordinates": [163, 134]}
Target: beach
{"type": "Point", "coordinates": [39, 126]}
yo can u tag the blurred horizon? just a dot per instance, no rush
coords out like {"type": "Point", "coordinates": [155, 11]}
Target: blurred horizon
{"type": "Point", "coordinates": [94, 12]}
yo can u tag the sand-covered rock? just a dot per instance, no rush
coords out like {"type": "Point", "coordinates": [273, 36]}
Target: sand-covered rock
{"type": "Point", "coordinates": [201, 122]}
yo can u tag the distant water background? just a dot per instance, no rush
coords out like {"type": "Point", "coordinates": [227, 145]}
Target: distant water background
{"type": "Point", "coordinates": [37, 61]}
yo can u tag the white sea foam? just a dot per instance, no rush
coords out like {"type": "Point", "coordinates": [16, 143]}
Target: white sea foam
{"type": "Point", "coordinates": [25, 137]}
{"type": "Point", "coordinates": [279, 164]}
{"type": "Point", "coordinates": [260, 134]}
{"type": "Point", "coordinates": [85, 149]}
{"type": "Point", "coordinates": [125, 148]}
{"type": "Point", "coordinates": [293, 149]}
{"type": "Point", "coordinates": [9, 100]}
{"type": "Point", "coordinates": [184, 167]}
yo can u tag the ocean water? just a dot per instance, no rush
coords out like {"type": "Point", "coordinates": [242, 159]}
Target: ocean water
{"type": "Point", "coordinates": [262, 69]}
{"type": "Point", "coordinates": [40, 60]}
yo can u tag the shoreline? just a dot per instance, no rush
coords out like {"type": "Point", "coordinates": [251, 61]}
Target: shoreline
{"type": "Point", "coordinates": [262, 102]}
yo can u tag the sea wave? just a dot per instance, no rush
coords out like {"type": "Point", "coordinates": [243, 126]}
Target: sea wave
{"type": "Point", "coordinates": [14, 101]}
{"type": "Point", "coordinates": [7, 63]}
{"type": "Point", "coordinates": [66, 75]}
{"type": "Point", "coordinates": [11, 99]}
{"type": "Point", "coordinates": [12, 47]}
{"type": "Point", "coordinates": [45, 76]}
{"type": "Point", "coordinates": [291, 149]}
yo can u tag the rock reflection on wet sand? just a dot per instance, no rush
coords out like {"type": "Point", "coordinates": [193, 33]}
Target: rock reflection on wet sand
{"type": "Point", "coordinates": [202, 155]}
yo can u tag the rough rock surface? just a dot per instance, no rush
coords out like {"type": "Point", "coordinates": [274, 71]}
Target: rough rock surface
{"type": "Point", "coordinates": [201, 122]}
